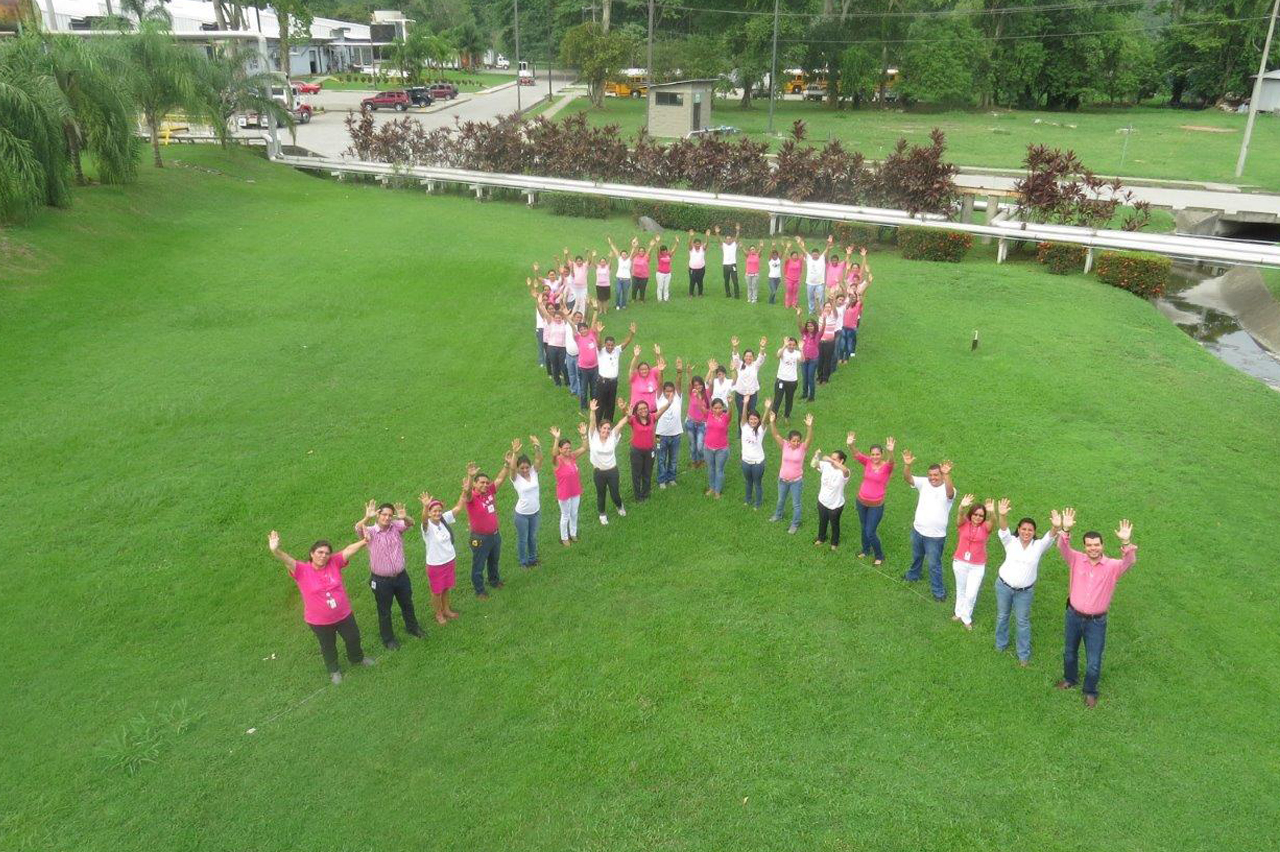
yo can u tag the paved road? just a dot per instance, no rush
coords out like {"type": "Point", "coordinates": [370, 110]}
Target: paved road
{"type": "Point", "coordinates": [326, 134]}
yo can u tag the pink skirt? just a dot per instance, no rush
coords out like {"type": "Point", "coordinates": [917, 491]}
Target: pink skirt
{"type": "Point", "coordinates": [441, 577]}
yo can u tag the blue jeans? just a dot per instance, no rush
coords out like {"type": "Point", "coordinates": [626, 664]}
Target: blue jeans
{"type": "Point", "coordinates": [852, 346]}
{"type": "Point", "coordinates": [716, 459]}
{"type": "Point", "coordinates": [1019, 601]}
{"type": "Point", "coordinates": [754, 476]}
{"type": "Point", "coordinates": [485, 552]}
{"type": "Point", "coordinates": [697, 432]}
{"type": "Point", "coordinates": [620, 300]}
{"type": "Point", "coordinates": [928, 546]}
{"type": "Point", "coordinates": [869, 518]}
{"type": "Point", "coordinates": [571, 361]}
{"type": "Point", "coordinates": [527, 537]}
{"type": "Point", "coordinates": [668, 458]}
{"type": "Point", "coordinates": [1094, 633]}
{"type": "Point", "coordinates": [542, 348]}
{"type": "Point", "coordinates": [815, 293]}
{"type": "Point", "coordinates": [809, 378]}
{"type": "Point", "coordinates": [793, 488]}
{"type": "Point", "coordinates": [846, 340]}
{"type": "Point", "coordinates": [773, 289]}
{"type": "Point", "coordinates": [587, 385]}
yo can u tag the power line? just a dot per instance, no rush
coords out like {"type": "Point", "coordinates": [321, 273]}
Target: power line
{"type": "Point", "coordinates": [929, 13]}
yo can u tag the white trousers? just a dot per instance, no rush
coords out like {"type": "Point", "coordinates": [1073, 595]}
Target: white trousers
{"type": "Point", "coordinates": [664, 286]}
{"type": "Point", "coordinates": [569, 517]}
{"type": "Point", "coordinates": [968, 584]}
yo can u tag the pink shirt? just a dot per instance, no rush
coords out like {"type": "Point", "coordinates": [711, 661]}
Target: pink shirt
{"type": "Point", "coordinates": [482, 513]}
{"type": "Point", "coordinates": [1092, 584]}
{"type": "Point", "coordinates": [646, 388]}
{"type": "Point", "coordinates": [664, 261]}
{"type": "Point", "coordinates": [580, 274]}
{"type": "Point", "coordinates": [830, 325]}
{"type": "Point", "coordinates": [698, 406]}
{"type": "Point", "coordinates": [324, 599]}
{"type": "Point", "coordinates": [874, 482]}
{"type": "Point", "coordinates": [640, 265]}
{"type": "Point", "coordinates": [753, 262]}
{"type": "Point", "coordinates": [587, 348]}
{"type": "Point", "coordinates": [792, 268]}
{"type": "Point", "coordinates": [852, 314]}
{"type": "Point", "coordinates": [602, 275]}
{"type": "Point", "coordinates": [809, 345]}
{"type": "Point", "coordinates": [568, 481]}
{"type": "Point", "coordinates": [792, 462]}
{"type": "Point", "coordinates": [717, 431]}
{"type": "Point", "coordinates": [971, 542]}
{"type": "Point", "coordinates": [835, 274]}
{"type": "Point", "coordinates": [386, 546]}
{"type": "Point", "coordinates": [642, 433]}
{"type": "Point", "coordinates": [555, 332]}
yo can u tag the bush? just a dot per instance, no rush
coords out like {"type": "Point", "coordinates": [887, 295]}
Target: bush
{"type": "Point", "coordinates": [1061, 258]}
{"type": "Point", "coordinates": [854, 234]}
{"type": "Point", "coordinates": [691, 217]}
{"type": "Point", "coordinates": [930, 244]}
{"type": "Point", "coordinates": [1140, 273]}
{"type": "Point", "coordinates": [583, 206]}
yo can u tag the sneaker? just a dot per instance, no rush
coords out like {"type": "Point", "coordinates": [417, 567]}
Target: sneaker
{"type": "Point", "coordinates": [369, 661]}
{"type": "Point", "coordinates": [418, 634]}
{"type": "Point", "coordinates": [393, 645]}
{"type": "Point", "coordinates": [482, 596]}
{"type": "Point", "coordinates": [604, 519]}
{"type": "Point", "coordinates": [792, 529]}
{"type": "Point", "coordinates": [622, 512]}
{"type": "Point", "coordinates": [662, 486]}
{"type": "Point", "coordinates": [775, 518]}
{"type": "Point", "coordinates": [335, 678]}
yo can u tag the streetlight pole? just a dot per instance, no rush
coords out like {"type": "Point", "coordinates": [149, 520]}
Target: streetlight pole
{"type": "Point", "coordinates": [773, 70]}
{"type": "Point", "coordinates": [550, 55]}
{"type": "Point", "coordinates": [517, 3]}
{"type": "Point", "coordinates": [648, 71]}
{"type": "Point", "coordinates": [1257, 90]}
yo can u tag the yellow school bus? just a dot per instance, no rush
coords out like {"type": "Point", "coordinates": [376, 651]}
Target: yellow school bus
{"type": "Point", "coordinates": [631, 83]}
{"type": "Point", "coordinates": [793, 82]}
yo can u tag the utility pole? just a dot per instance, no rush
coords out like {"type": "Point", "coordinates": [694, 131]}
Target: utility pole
{"type": "Point", "coordinates": [648, 71]}
{"type": "Point", "coordinates": [773, 69]}
{"type": "Point", "coordinates": [518, 85]}
{"type": "Point", "coordinates": [550, 55]}
{"type": "Point", "coordinates": [1257, 90]}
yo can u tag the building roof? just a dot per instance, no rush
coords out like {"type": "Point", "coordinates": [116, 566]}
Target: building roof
{"type": "Point", "coordinates": [711, 81]}
{"type": "Point", "coordinates": [192, 16]}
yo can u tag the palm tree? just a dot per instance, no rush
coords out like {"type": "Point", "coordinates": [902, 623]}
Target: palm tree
{"type": "Point", "coordinates": [33, 163]}
{"type": "Point", "coordinates": [439, 49]}
{"type": "Point", "coordinates": [227, 86]}
{"type": "Point", "coordinates": [469, 41]}
{"type": "Point", "coordinates": [166, 76]}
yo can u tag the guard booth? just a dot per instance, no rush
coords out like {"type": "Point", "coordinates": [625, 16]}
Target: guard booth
{"type": "Point", "coordinates": [679, 108]}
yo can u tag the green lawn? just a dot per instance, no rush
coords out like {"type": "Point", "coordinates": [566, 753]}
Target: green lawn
{"type": "Point", "coordinates": [1160, 147]}
{"type": "Point", "coordinates": [466, 81]}
{"type": "Point", "coordinates": [189, 367]}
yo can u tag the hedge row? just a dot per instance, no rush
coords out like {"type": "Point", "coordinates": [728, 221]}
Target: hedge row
{"type": "Point", "coordinates": [1061, 258]}
{"type": "Point", "coordinates": [690, 217]}
{"type": "Point", "coordinates": [1140, 273]}
{"type": "Point", "coordinates": [583, 206]}
{"type": "Point", "coordinates": [930, 244]}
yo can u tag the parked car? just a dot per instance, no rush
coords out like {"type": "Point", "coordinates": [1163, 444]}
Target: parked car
{"type": "Point", "coordinates": [815, 92]}
{"type": "Point", "coordinates": [301, 114]}
{"type": "Point", "coordinates": [502, 62]}
{"type": "Point", "coordinates": [397, 99]}
{"type": "Point", "coordinates": [302, 87]}
{"type": "Point", "coordinates": [420, 95]}
{"type": "Point", "coordinates": [441, 90]}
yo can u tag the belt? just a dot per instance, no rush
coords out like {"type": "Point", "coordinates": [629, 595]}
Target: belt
{"type": "Point", "coordinates": [1014, 588]}
{"type": "Point", "coordinates": [1086, 616]}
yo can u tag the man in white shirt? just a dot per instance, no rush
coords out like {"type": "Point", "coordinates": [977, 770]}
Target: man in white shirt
{"type": "Point", "coordinates": [608, 357]}
{"type": "Point", "coordinates": [571, 353]}
{"type": "Point", "coordinates": [1016, 582]}
{"type": "Point", "coordinates": [815, 273]}
{"type": "Point", "coordinates": [933, 513]}
{"type": "Point", "coordinates": [670, 428]}
{"type": "Point", "coordinates": [729, 258]}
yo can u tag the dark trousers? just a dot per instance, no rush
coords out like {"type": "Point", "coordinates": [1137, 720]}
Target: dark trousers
{"type": "Point", "coordinates": [328, 635]}
{"type": "Point", "coordinates": [829, 516]}
{"type": "Point", "coordinates": [557, 367]}
{"type": "Point", "coordinates": [637, 288]}
{"type": "Point", "coordinates": [609, 479]}
{"type": "Point", "coordinates": [809, 371]}
{"type": "Point", "coordinates": [783, 390]}
{"type": "Point", "coordinates": [869, 517]}
{"type": "Point", "coordinates": [542, 348]}
{"type": "Point", "coordinates": [587, 377]}
{"type": "Point", "coordinates": [731, 273]}
{"type": "Point", "coordinates": [695, 279]}
{"type": "Point", "coordinates": [1093, 630]}
{"type": "Point", "coordinates": [826, 359]}
{"type": "Point", "coordinates": [607, 396]}
{"type": "Point", "coordinates": [485, 550]}
{"type": "Point", "coordinates": [641, 473]}
{"type": "Point", "coordinates": [400, 589]}
{"type": "Point", "coordinates": [753, 476]}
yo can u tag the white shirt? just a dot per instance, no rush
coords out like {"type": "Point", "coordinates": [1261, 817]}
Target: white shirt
{"type": "Point", "coordinates": [748, 381]}
{"type": "Point", "coordinates": [730, 251]}
{"type": "Point", "coordinates": [528, 501]}
{"type": "Point", "coordinates": [602, 452]}
{"type": "Point", "coordinates": [1022, 564]}
{"type": "Point", "coordinates": [538, 322]}
{"type": "Point", "coordinates": [753, 444]}
{"type": "Point", "coordinates": [671, 423]}
{"type": "Point", "coordinates": [720, 389]}
{"type": "Point", "coordinates": [438, 541]}
{"type": "Point", "coordinates": [697, 257]}
{"type": "Point", "coordinates": [608, 362]}
{"type": "Point", "coordinates": [570, 346]}
{"type": "Point", "coordinates": [933, 509]}
{"type": "Point", "coordinates": [624, 267]}
{"type": "Point", "coordinates": [788, 364]}
{"type": "Point", "coordinates": [775, 267]}
{"type": "Point", "coordinates": [815, 271]}
{"type": "Point", "coordinates": [831, 492]}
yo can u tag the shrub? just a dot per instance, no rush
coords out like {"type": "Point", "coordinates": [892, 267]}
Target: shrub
{"type": "Point", "coordinates": [690, 217]}
{"type": "Point", "coordinates": [1140, 273]}
{"type": "Point", "coordinates": [930, 244]}
{"type": "Point", "coordinates": [1061, 258]}
{"type": "Point", "coordinates": [583, 206]}
{"type": "Point", "coordinates": [854, 234]}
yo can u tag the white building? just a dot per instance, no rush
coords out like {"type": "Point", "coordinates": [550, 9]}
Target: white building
{"type": "Point", "coordinates": [334, 45]}
{"type": "Point", "coordinates": [1269, 93]}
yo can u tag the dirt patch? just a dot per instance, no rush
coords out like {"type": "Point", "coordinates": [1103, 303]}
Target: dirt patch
{"type": "Point", "coordinates": [1202, 128]}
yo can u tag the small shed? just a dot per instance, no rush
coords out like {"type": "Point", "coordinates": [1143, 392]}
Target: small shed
{"type": "Point", "coordinates": [1269, 92]}
{"type": "Point", "coordinates": [677, 108]}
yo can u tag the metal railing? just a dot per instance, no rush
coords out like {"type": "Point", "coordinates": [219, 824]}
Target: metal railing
{"type": "Point", "coordinates": [1197, 248]}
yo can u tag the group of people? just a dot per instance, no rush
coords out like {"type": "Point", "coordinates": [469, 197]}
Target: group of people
{"type": "Point", "coordinates": [657, 414]}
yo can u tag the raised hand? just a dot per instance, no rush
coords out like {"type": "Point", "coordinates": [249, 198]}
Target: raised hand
{"type": "Point", "coordinates": [657, 350]}
{"type": "Point", "coordinates": [966, 501]}
{"type": "Point", "coordinates": [733, 341]}
{"type": "Point", "coordinates": [582, 429]}
{"type": "Point", "coordinates": [679, 363]}
{"type": "Point", "coordinates": [555, 434]}
{"type": "Point", "coordinates": [636, 351]}
{"type": "Point", "coordinates": [1055, 518]}
{"type": "Point", "coordinates": [1005, 505]}
{"type": "Point", "coordinates": [768, 403]}
{"type": "Point", "coordinates": [907, 457]}
{"type": "Point", "coordinates": [990, 505]}
{"type": "Point", "coordinates": [370, 509]}
{"type": "Point", "coordinates": [425, 499]}
{"type": "Point", "coordinates": [632, 328]}
{"type": "Point", "coordinates": [717, 229]}
{"type": "Point", "coordinates": [1125, 531]}
{"type": "Point", "coordinates": [1068, 518]}
{"type": "Point", "coordinates": [273, 541]}
{"type": "Point", "coordinates": [515, 446]}
{"type": "Point", "coordinates": [472, 469]}
{"type": "Point", "coordinates": [533, 439]}
{"type": "Point", "coordinates": [764, 341]}
{"type": "Point", "coordinates": [773, 415]}
{"type": "Point", "coordinates": [712, 365]}
{"type": "Point", "coordinates": [808, 420]}
{"type": "Point", "coordinates": [850, 439]}
{"type": "Point", "coordinates": [863, 251]}
{"type": "Point", "coordinates": [594, 405]}
{"type": "Point", "coordinates": [399, 507]}
{"type": "Point", "coordinates": [946, 467]}
{"type": "Point", "coordinates": [798, 312]}
{"type": "Point", "coordinates": [889, 444]}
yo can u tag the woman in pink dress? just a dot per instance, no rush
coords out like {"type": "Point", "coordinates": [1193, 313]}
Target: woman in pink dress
{"type": "Point", "coordinates": [564, 462]}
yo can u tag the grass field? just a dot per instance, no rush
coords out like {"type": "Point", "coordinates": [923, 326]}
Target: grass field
{"type": "Point", "coordinates": [1161, 146]}
{"type": "Point", "coordinates": [189, 369]}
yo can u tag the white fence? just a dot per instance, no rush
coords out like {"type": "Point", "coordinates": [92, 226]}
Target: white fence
{"type": "Point", "coordinates": [1207, 249]}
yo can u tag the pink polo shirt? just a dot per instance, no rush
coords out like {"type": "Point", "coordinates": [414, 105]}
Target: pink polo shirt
{"type": "Point", "coordinates": [640, 265]}
{"type": "Point", "coordinates": [792, 462]}
{"type": "Point", "coordinates": [792, 268]}
{"type": "Point", "coordinates": [664, 261]}
{"type": "Point", "coordinates": [602, 275]}
{"type": "Point", "coordinates": [646, 388]}
{"type": "Point", "coordinates": [753, 262]}
{"type": "Point", "coordinates": [568, 481]}
{"type": "Point", "coordinates": [587, 349]}
{"type": "Point", "coordinates": [835, 274]}
{"type": "Point", "coordinates": [580, 274]}
{"type": "Point", "coordinates": [874, 481]}
{"type": "Point", "coordinates": [698, 406]}
{"type": "Point", "coordinates": [642, 433]}
{"type": "Point", "coordinates": [852, 314]}
{"type": "Point", "coordinates": [809, 345]}
{"type": "Point", "coordinates": [717, 431]}
{"type": "Point", "coordinates": [1092, 584]}
{"type": "Point", "coordinates": [830, 325]}
{"type": "Point", "coordinates": [324, 599]}
{"type": "Point", "coordinates": [555, 332]}
{"type": "Point", "coordinates": [971, 542]}
{"type": "Point", "coordinates": [482, 513]}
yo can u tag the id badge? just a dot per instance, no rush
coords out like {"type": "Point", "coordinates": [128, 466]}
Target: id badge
{"type": "Point", "coordinates": [966, 556]}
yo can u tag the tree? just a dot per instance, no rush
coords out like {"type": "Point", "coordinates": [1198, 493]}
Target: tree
{"type": "Point", "coordinates": [1211, 48]}
{"type": "Point", "coordinates": [944, 60]}
{"type": "Point", "coordinates": [165, 79]}
{"type": "Point", "coordinates": [750, 43]}
{"type": "Point", "coordinates": [859, 73]}
{"type": "Point", "coordinates": [33, 163]}
{"type": "Point", "coordinates": [439, 49]}
{"type": "Point", "coordinates": [469, 41]}
{"type": "Point", "coordinates": [412, 52]}
{"type": "Point", "coordinates": [294, 20]}
{"type": "Point", "coordinates": [597, 54]}
{"type": "Point", "coordinates": [227, 87]}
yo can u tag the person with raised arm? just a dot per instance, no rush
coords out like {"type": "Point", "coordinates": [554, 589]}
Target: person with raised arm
{"type": "Point", "coordinates": [815, 272]}
{"type": "Point", "coordinates": [622, 274]}
{"type": "Point", "coordinates": [1093, 577]}
{"type": "Point", "coordinates": [697, 261]}
{"type": "Point", "coordinates": [602, 446]}
{"type": "Point", "coordinates": [752, 434]}
{"type": "Point", "coordinates": [670, 428]}
{"type": "Point", "coordinates": [1016, 579]}
{"type": "Point", "coordinates": [752, 270]}
{"type": "Point", "coordinates": [729, 259]}
{"type": "Point", "coordinates": [479, 495]}
{"type": "Point", "coordinates": [784, 388]}
{"type": "Point", "coordinates": [442, 556]}
{"type": "Point", "coordinates": [810, 337]}
{"type": "Point", "coordinates": [774, 270]}
{"type": "Point", "coordinates": [695, 425]}
{"type": "Point", "coordinates": [523, 475]}
{"type": "Point", "coordinates": [604, 288]}
{"type": "Point", "coordinates": [746, 376]}
{"type": "Point", "coordinates": [828, 327]}
{"type": "Point", "coordinates": [850, 316]}
{"type": "Point", "coordinates": [325, 607]}
{"type": "Point", "coordinates": [608, 358]}
{"type": "Point", "coordinates": [835, 476]}
{"type": "Point", "coordinates": [564, 463]}
{"type": "Point", "coordinates": [640, 267]}
{"type": "Point", "coordinates": [586, 337]}
{"type": "Point", "coordinates": [721, 385]}
{"type": "Point", "coordinates": [717, 446]}
{"type": "Point", "coordinates": [643, 422]}
{"type": "Point", "coordinates": [555, 328]}
{"type": "Point", "coordinates": [933, 514]}
{"type": "Point", "coordinates": [387, 578]}
{"type": "Point", "coordinates": [578, 272]}
{"type": "Point", "coordinates": [663, 276]}
{"type": "Point", "coordinates": [877, 467]}
{"type": "Point", "coordinates": [973, 527]}
{"type": "Point", "coordinates": [791, 471]}
{"type": "Point", "coordinates": [833, 275]}
{"type": "Point", "coordinates": [645, 380]}
{"type": "Point", "coordinates": [792, 268]}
